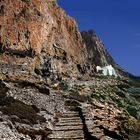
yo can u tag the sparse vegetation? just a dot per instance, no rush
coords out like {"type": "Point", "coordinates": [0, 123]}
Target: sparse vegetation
{"type": "Point", "coordinates": [96, 95]}
{"type": "Point", "coordinates": [63, 86]}
{"type": "Point", "coordinates": [132, 110]}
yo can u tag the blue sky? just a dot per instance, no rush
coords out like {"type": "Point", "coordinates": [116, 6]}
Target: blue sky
{"type": "Point", "coordinates": [116, 22]}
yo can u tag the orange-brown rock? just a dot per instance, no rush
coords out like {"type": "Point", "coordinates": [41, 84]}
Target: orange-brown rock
{"type": "Point", "coordinates": [35, 31]}
{"type": "Point", "coordinates": [36, 25]}
{"type": "Point", "coordinates": [42, 91]}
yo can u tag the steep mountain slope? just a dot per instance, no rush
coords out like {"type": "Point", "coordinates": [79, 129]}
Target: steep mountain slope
{"type": "Point", "coordinates": [46, 87]}
{"type": "Point", "coordinates": [39, 35]}
{"type": "Point", "coordinates": [97, 54]}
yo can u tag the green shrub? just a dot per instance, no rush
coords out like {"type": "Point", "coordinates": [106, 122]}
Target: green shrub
{"type": "Point", "coordinates": [132, 110]}
{"type": "Point", "coordinates": [123, 87]}
{"type": "Point", "coordinates": [63, 86]}
{"type": "Point", "coordinates": [131, 101]}
{"type": "Point", "coordinates": [95, 95]}
{"type": "Point", "coordinates": [121, 94]}
{"type": "Point", "coordinates": [121, 103]}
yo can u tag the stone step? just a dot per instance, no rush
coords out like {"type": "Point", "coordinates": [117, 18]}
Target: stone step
{"type": "Point", "coordinates": [71, 112]}
{"type": "Point", "coordinates": [70, 115]}
{"type": "Point", "coordinates": [76, 134]}
{"type": "Point", "coordinates": [66, 128]}
{"type": "Point", "coordinates": [68, 123]}
{"type": "Point", "coordinates": [89, 122]}
{"type": "Point", "coordinates": [70, 118]}
{"type": "Point", "coordinates": [97, 135]}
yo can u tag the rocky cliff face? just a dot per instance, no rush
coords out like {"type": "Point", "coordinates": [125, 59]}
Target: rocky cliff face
{"type": "Point", "coordinates": [39, 36]}
{"type": "Point", "coordinates": [97, 54]}
{"type": "Point", "coordinates": [42, 58]}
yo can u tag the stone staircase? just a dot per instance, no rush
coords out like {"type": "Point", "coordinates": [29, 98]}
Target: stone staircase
{"type": "Point", "coordinates": [69, 127]}
{"type": "Point", "coordinates": [79, 125]}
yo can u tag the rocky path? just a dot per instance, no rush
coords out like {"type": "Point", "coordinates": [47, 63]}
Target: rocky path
{"type": "Point", "coordinates": [80, 125]}
{"type": "Point", "coordinates": [73, 125]}
{"type": "Point", "coordinates": [69, 126]}
{"type": "Point", "coordinates": [58, 119]}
